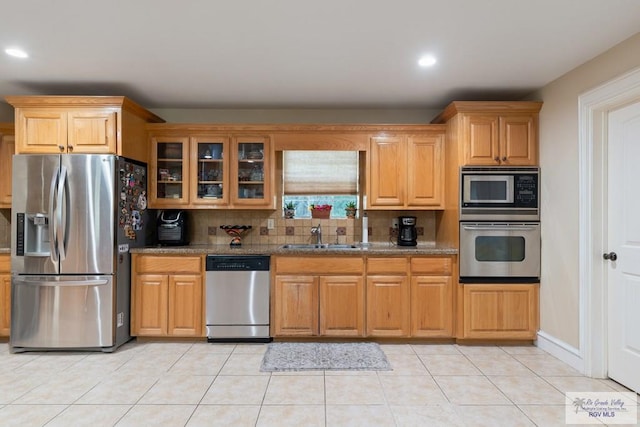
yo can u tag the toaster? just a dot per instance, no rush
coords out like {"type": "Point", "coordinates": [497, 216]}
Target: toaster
{"type": "Point", "coordinates": [172, 228]}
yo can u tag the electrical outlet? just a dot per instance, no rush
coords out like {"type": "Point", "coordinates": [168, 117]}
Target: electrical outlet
{"type": "Point", "coordinates": [395, 223]}
{"type": "Point", "coordinates": [271, 224]}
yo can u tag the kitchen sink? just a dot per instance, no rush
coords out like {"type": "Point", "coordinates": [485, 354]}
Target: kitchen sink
{"type": "Point", "coordinates": [319, 246]}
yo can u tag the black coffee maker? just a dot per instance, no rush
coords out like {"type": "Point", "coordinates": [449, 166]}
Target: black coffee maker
{"type": "Point", "coordinates": [407, 233]}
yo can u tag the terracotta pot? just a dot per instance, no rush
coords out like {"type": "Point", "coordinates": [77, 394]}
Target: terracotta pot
{"type": "Point", "coordinates": [320, 214]}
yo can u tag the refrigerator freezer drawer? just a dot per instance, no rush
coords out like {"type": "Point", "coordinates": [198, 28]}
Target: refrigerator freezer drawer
{"type": "Point", "coordinates": [61, 312]}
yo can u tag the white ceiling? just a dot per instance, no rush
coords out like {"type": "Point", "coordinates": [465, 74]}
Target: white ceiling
{"type": "Point", "coordinates": [302, 53]}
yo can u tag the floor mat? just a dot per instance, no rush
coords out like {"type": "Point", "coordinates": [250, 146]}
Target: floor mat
{"type": "Point", "coordinates": [287, 356]}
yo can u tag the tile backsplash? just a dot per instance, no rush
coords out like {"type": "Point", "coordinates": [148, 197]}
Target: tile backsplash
{"type": "Point", "coordinates": [205, 227]}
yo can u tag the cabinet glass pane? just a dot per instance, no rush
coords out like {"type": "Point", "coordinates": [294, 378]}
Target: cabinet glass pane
{"type": "Point", "coordinates": [251, 170]}
{"type": "Point", "coordinates": [210, 170]}
{"type": "Point", "coordinates": [169, 170]}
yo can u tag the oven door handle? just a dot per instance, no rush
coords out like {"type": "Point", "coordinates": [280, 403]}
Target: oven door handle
{"type": "Point", "coordinates": [500, 227]}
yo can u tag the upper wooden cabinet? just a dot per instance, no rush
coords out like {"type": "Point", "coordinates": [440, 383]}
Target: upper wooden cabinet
{"type": "Point", "coordinates": [212, 171]}
{"type": "Point", "coordinates": [406, 171]}
{"type": "Point", "coordinates": [169, 172]}
{"type": "Point", "coordinates": [7, 149]}
{"type": "Point", "coordinates": [251, 170]}
{"type": "Point", "coordinates": [494, 133]}
{"type": "Point", "coordinates": [499, 140]}
{"type": "Point", "coordinates": [77, 124]}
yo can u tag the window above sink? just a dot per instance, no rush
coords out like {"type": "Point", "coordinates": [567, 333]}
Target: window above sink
{"type": "Point", "coordinates": [320, 178]}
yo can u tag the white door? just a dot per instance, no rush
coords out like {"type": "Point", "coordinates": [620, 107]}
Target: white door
{"type": "Point", "coordinates": [623, 249]}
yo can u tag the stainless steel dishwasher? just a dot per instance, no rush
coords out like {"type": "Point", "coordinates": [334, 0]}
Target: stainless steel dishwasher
{"type": "Point", "coordinates": [237, 300]}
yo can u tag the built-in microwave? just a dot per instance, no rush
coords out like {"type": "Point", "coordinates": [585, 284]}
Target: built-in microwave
{"type": "Point", "coordinates": [499, 193]}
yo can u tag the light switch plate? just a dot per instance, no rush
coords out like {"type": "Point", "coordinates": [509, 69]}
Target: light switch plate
{"type": "Point", "coordinates": [271, 224]}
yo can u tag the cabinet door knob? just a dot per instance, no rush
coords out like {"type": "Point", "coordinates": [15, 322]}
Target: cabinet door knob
{"type": "Point", "coordinates": [71, 148]}
{"type": "Point", "coordinates": [504, 159]}
{"type": "Point", "coordinates": [61, 147]}
{"type": "Point", "coordinates": [497, 159]}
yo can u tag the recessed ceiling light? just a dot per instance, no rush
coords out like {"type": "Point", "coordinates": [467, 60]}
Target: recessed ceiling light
{"type": "Point", "coordinates": [18, 53]}
{"type": "Point", "coordinates": [427, 61]}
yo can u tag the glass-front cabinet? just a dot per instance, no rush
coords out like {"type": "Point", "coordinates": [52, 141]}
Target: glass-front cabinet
{"type": "Point", "coordinates": [210, 172]}
{"type": "Point", "coordinates": [169, 172]}
{"type": "Point", "coordinates": [251, 171]}
{"type": "Point", "coordinates": [211, 178]}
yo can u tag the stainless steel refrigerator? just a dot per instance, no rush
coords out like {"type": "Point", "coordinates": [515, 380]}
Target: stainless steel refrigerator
{"type": "Point", "coordinates": [74, 219]}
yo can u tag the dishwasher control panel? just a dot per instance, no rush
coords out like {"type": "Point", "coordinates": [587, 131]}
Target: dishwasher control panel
{"type": "Point", "coordinates": [238, 262]}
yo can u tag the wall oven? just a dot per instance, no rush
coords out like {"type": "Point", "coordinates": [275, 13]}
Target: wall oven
{"type": "Point", "coordinates": [499, 193]}
{"type": "Point", "coordinates": [495, 252]}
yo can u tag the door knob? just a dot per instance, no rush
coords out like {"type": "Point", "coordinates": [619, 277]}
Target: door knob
{"type": "Point", "coordinates": [611, 256]}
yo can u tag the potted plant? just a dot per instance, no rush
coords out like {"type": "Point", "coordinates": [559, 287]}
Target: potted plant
{"type": "Point", "coordinates": [320, 211]}
{"type": "Point", "coordinates": [289, 210]}
{"type": "Point", "coordinates": [350, 209]}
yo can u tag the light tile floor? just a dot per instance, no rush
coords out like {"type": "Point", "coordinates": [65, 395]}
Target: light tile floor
{"type": "Point", "coordinates": [200, 384]}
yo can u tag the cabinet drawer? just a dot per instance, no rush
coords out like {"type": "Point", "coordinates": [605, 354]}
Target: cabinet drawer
{"type": "Point", "coordinates": [387, 265]}
{"type": "Point", "coordinates": [169, 264]}
{"type": "Point", "coordinates": [432, 266]}
{"type": "Point", "coordinates": [319, 265]}
{"type": "Point", "coordinates": [5, 263]}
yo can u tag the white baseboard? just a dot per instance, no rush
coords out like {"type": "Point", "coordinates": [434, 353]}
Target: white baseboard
{"type": "Point", "coordinates": [560, 349]}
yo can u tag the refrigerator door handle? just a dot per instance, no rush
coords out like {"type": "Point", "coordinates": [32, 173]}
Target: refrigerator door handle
{"type": "Point", "coordinates": [61, 214]}
{"type": "Point", "coordinates": [39, 282]}
{"type": "Point", "coordinates": [52, 220]}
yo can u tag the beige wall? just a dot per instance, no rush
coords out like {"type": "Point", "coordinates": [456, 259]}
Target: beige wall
{"type": "Point", "coordinates": [559, 291]}
{"type": "Point", "coordinates": [6, 112]}
{"type": "Point", "coordinates": [310, 115]}
{"type": "Point", "coordinates": [300, 115]}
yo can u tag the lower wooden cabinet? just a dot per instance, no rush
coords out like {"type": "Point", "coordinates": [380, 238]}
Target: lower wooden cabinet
{"type": "Point", "coordinates": [388, 296]}
{"type": "Point", "coordinates": [341, 306]}
{"type": "Point", "coordinates": [167, 296]}
{"type": "Point", "coordinates": [328, 300]}
{"type": "Point", "coordinates": [296, 305]}
{"type": "Point", "coordinates": [5, 295]}
{"type": "Point", "coordinates": [325, 296]}
{"type": "Point", "coordinates": [410, 296]}
{"type": "Point", "coordinates": [331, 296]}
{"type": "Point", "coordinates": [500, 311]}
{"type": "Point", "coordinates": [432, 305]}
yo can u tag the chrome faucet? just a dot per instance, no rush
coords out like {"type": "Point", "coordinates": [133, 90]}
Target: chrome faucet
{"type": "Point", "coordinates": [317, 231]}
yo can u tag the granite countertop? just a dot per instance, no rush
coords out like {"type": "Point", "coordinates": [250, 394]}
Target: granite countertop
{"type": "Point", "coordinates": [371, 249]}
